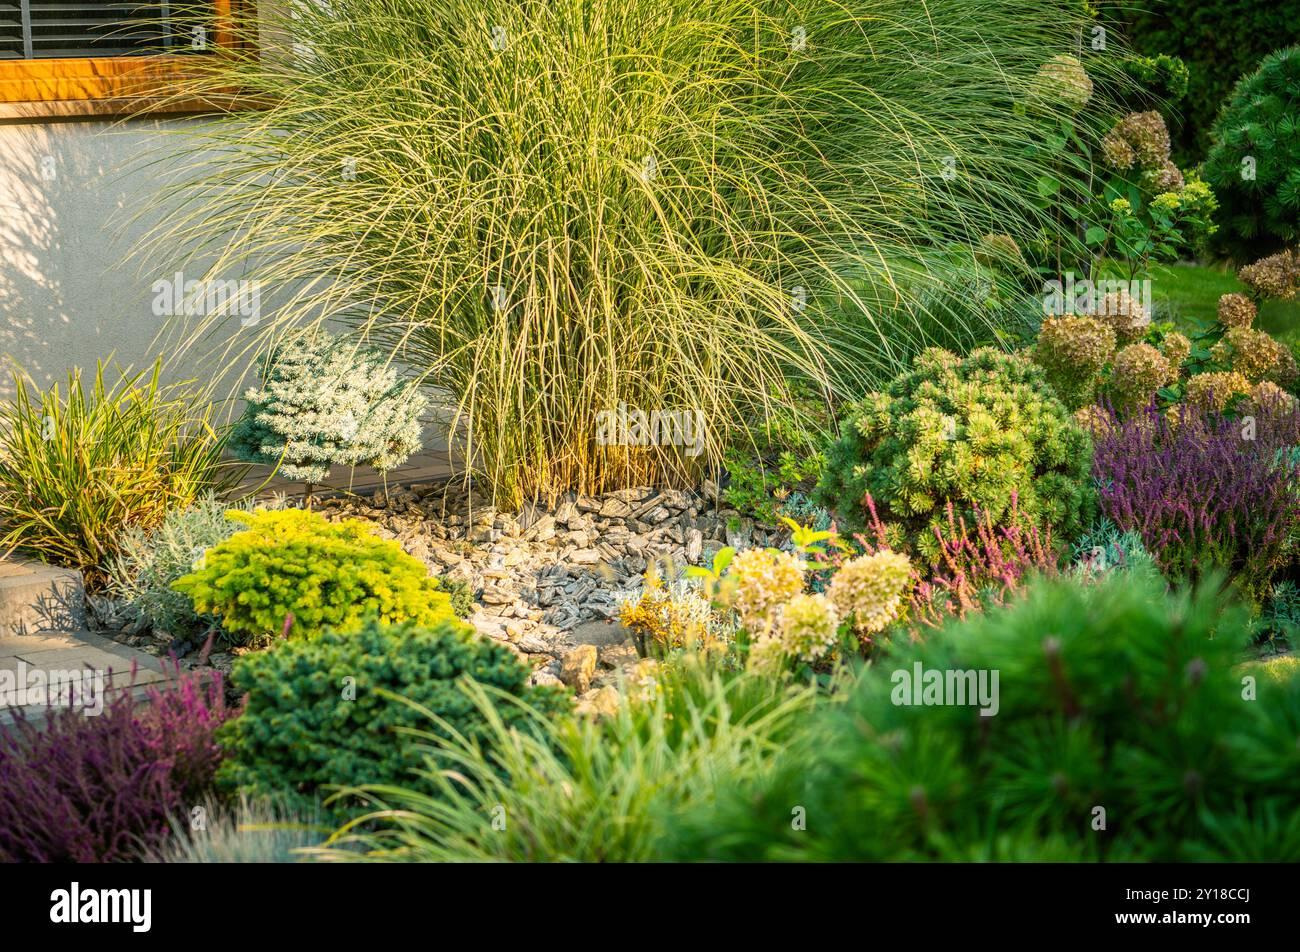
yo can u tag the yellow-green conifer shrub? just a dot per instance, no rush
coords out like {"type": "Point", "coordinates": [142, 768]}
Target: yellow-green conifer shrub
{"type": "Point", "coordinates": [294, 562]}
{"type": "Point", "coordinates": [984, 432]}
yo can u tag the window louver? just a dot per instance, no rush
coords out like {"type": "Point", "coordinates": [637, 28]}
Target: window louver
{"type": "Point", "coordinates": [51, 29]}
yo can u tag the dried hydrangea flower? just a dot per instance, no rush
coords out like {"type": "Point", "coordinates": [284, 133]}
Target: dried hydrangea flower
{"type": "Point", "coordinates": [1125, 316]}
{"type": "Point", "coordinates": [1255, 355]}
{"type": "Point", "coordinates": [1177, 348]}
{"type": "Point", "coordinates": [1094, 419]}
{"type": "Point", "coordinates": [1138, 372]}
{"type": "Point", "coordinates": [1140, 138]}
{"type": "Point", "coordinates": [765, 580]}
{"type": "Point", "coordinates": [1269, 397]}
{"type": "Point", "coordinates": [1063, 79]}
{"type": "Point", "coordinates": [870, 589]}
{"type": "Point", "coordinates": [1166, 177]}
{"type": "Point", "coordinates": [809, 627]}
{"type": "Point", "coordinates": [767, 656]}
{"type": "Point", "coordinates": [1236, 310]}
{"type": "Point", "coordinates": [1117, 152]}
{"type": "Point", "coordinates": [999, 250]}
{"type": "Point", "coordinates": [1213, 391]}
{"type": "Point", "coordinates": [1277, 276]}
{"type": "Point", "coordinates": [1073, 349]}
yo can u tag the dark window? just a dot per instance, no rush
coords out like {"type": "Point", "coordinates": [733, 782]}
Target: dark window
{"type": "Point", "coordinates": [52, 29]}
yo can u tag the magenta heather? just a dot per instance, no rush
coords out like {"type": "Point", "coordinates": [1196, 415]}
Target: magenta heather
{"type": "Point", "coordinates": [105, 788]}
{"type": "Point", "coordinates": [1204, 493]}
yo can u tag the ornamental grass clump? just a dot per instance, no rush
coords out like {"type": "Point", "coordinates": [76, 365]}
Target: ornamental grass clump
{"type": "Point", "coordinates": [554, 209]}
{"type": "Point", "coordinates": [1206, 493]}
{"type": "Point", "coordinates": [81, 466]}
{"type": "Point", "coordinates": [575, 791]}
{"type": "Point", "coordinates": [293, 570]}
{"type": "Point", "coordinates": [983, 432]}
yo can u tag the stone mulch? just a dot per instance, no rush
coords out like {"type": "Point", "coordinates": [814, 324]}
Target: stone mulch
{"type": "Point", "coordinates": [549, 580]}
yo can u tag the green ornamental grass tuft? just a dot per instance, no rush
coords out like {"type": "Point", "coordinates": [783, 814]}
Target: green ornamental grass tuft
{"type": "Point", "coordinates": [574, 790]}
{"type": "Point", "coordinates": [551, 209]}
{"type": "Point", "coordinates": [81, 466]}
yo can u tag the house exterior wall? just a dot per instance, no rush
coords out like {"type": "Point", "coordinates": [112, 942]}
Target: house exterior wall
{"type": "Point", "coordinates": [76, 196]}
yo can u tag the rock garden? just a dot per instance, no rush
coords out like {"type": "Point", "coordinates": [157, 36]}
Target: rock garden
{"type": "Point", "coordinates": [872, 429]}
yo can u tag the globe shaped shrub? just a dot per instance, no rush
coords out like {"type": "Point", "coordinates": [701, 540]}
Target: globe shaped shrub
{"type": "Point", "coordinates": [1254, 162]}
{"type": "Point", "coordinates": [294, 562]}
{"type": "Point", "coordinates": [322, 402]}
{"type": "Point", "coordinates": [979, 432]}
{"type": "Point", "coordinates": [329, 712]}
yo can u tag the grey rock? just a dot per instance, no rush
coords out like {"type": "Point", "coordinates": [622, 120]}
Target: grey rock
{"type": "Point", "coordinates": [578, 666]}
{"type": "Point", "coordinates": [694, 545]}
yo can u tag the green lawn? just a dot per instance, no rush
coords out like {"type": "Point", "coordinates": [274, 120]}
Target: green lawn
{"type": "Point", "coordinates": [1280, 668]}
{"type": "Point", "coordinates": [1186, 293]}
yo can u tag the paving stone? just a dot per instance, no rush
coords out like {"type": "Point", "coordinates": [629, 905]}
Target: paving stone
{"type": "Point", "coordinates": [14, 645]}
{"type": "Point", "coordinates": [36, 597]}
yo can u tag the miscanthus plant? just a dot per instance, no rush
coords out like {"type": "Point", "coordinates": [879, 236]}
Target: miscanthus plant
{"type": "Point", "coordinates": [573, 790]}
{"type": "Point", "coordinates": [552, 207]}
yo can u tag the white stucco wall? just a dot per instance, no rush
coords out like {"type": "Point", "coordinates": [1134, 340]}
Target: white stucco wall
{"type": "Point", "coordinates": [70, 290]}
{"type": "Point", "coordinates": [74, 286]}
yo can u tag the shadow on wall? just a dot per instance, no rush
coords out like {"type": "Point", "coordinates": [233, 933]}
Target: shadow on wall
{"type": "Point", "coordinates": [34, 252]}
{"type": "Point", "coordinates": [72, 288]}
{"type": "Point", "coordinates": [69, 292]}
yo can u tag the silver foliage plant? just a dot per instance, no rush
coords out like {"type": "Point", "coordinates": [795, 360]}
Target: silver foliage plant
{"type": "Point", "coordinates": [324, 402]}
{"type": "Point", "coordinates": [150, 560]}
